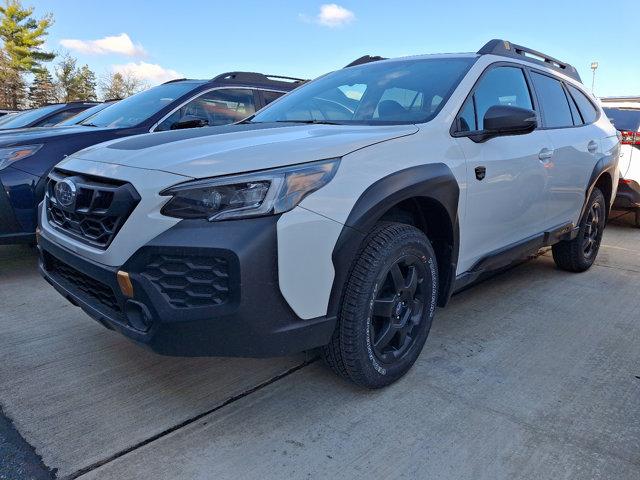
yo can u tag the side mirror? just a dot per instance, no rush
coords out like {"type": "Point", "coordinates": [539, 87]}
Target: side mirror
{"type": "Point", "coordinates": [502, 120]}
{"type": "Point", "coordinates": [189, 121]}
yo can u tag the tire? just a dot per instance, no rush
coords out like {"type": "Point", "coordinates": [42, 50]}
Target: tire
{"type": "Point", "coordinates": [387, 307]}
{"type": "Point", "coordinates": [637, 222]}
{"type": "Point", "coordinates": [579, 254]}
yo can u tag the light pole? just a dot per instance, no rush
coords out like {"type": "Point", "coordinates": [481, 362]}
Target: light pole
{"type": "Point", "coordinates": [594, 67]}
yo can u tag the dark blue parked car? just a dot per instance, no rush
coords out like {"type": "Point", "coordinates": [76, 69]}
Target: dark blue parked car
{"type": "Point", "coordinates": [27, 156]}
{"type": "Point", "coordinates": [46, 116]}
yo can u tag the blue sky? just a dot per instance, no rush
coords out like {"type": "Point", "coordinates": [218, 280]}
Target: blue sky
{"type": "Point", "coordinates": [199, 39]}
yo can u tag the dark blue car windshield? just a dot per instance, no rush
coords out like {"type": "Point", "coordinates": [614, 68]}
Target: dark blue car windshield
{"type": "Point", "coordinates": [139, 107]}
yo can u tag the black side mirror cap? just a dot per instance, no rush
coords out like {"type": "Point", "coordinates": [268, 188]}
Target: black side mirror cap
{"type": "Point", "coordinates": [501, 120]}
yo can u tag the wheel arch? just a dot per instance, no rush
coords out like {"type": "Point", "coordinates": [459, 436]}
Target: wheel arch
{"type": "Point", "coordinates": [602, 178]}
{"type": "Point", "coordinates": [425, 196]}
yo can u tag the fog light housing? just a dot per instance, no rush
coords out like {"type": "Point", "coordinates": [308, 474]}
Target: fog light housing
{"type": "Point", "coordinates": [138, 315]}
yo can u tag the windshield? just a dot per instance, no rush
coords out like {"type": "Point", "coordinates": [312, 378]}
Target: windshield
{"type": "Point", "coordinates": [392, 92]}
{"type": "Point", "coordinates": [624, 119]}
{"type": "Point", "coordinates": [83, 115]}
{"type": "Point", "coordinates": [139, 107]}
{"type": "Point", "coordinates": [23, 119]}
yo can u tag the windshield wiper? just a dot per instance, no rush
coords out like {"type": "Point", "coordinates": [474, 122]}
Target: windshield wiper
{"type": "Point", "coordinates": [89, 124]}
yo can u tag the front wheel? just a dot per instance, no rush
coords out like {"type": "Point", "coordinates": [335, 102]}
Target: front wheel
{"type": "Point", "coordinates": [387, 307]}
{"type": "Point", "coordinates": [579, 254]}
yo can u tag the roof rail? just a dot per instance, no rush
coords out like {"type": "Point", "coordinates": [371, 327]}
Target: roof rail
{"type": "Point", "coordinates": [175, 80]}
{"type": "Point", "coordinates": [365, 59]}
{"type": "Point", "coordinates": [254, 77]}
{"type": "Point", "coordinates": [508, 49]}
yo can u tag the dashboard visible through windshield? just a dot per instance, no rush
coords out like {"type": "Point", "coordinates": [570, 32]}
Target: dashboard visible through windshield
{"type": "Point", "coordinates": [386, 92]}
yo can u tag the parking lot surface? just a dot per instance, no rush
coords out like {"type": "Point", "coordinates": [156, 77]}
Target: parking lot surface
{"type": "Point", "coordinates": [532, 374]}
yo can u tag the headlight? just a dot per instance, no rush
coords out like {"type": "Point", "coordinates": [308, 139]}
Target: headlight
{"type": "Point", "coordinates": [13, 154]}
{"type": "Point", "coordinates": [255, 194]}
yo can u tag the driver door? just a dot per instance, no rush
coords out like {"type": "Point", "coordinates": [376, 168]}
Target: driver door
{"type": "Point", "coordinates": [507, 190]}
{"type": "Point", "coordinates": [221, 106]}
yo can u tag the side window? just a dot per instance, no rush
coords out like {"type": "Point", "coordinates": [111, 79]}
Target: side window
{"type": "Point", "coordinates": [217, 107]}
{"type": "Point", "coordinates": [499, 86]}
{"type": "Point", "coordinates": [575, 113]}
{"type": "Point", "coordinates": [270, 96]}
{"type": "Point", "coordinates": [556, 112]}
{"type": "Point", "coordinates": [588, 111]}
{"type": "Point", "coordinates": [57, 118]}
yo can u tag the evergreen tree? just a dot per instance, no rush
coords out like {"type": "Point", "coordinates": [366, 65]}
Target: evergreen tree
{"type": "Point", "coordinates": [22, 37]}
{"type": "Point", "coordinates": [68, 80]}
{"type": "Point", "coordinates": [87, 84]}
{"type": "Point", "coordinates": [42, 90]}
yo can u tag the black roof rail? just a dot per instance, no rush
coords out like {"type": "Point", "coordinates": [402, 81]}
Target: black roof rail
{"type": "Point", "coordinates": [507, 49]}
{"type": "Point", "coordinates": [254, 77]}
{"type": "Point", "coordinates": [365, 59]}
{"type": "Point", "coordinates": [176, 80]}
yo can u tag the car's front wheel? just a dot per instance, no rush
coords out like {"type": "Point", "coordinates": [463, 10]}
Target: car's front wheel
{"type": "Point", "coordinates": [579, 254]}
{"type": "Point", "coordinates": [387, 307]}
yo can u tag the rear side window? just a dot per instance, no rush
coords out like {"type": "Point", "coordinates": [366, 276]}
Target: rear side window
{"type": "Point", "coordinates": [270, 96]}
{"type": "Point", "coordinates": [556, 112]}
{"type": "Point", "coordinates": [499, 86]}
{"type": "Point", "coordinates": [587, 110]}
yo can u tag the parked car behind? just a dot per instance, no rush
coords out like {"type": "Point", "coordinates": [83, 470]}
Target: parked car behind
{"type": "Point", "coordinates": [46, 116]}
{"type": "Point", "coordinates": [625, 116]}
{"type": "Point", "coordinates": [26, 157]}
{"type": "Point", "coordinates": [318, 223]}
{"type": "Point", "coordinates": [82, 116]}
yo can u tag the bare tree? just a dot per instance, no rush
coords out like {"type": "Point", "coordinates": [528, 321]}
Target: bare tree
{"type": "Point", "coordinates": [120, 85]}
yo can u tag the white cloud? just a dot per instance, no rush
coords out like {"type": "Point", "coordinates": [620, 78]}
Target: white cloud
{"type": "Point", "coordinates": [331, 15]}
{"type": "Point", "coordinates": [121, 44]}
{"type": "Point", "coordinates": [149, 72]}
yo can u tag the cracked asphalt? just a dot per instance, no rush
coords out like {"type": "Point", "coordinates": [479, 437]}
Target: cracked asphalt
{"type": "Point", "coordinates": [534, 374]}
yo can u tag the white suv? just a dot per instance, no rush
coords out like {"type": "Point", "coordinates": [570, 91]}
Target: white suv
{"type": "Point", "coordinates": [341, 215]}
{"type": "Point", "coordinates": [625, 116]}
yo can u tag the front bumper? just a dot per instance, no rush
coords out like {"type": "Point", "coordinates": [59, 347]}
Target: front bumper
{"type": "Point", "coordinates": [18, 205]}
{"type": "Point", "coordinates": [628, 196]}
{"type": "Point", "coordinates": [200, 289]}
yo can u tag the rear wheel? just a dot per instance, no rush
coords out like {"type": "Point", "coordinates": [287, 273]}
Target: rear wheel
{"type": "Point", "coordinates": [637, 212]}
{"type": "Point", "coordinates": [387, 308]}
{"type": "Point", "coordinates": [578, 255]}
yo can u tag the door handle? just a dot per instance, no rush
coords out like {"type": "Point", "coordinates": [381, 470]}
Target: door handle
{"type": "Point", "coordinates": [545, 154]}
{"type": "Point", "coordinates": [592, 146]}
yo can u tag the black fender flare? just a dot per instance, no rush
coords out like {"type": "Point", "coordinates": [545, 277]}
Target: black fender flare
{"type": "Point", "coordinates": [431, 181]}
{"type": "Point", "coordinates": [604, 165]}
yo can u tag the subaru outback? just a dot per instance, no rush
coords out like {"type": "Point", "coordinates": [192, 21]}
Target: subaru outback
{"type": "Point", "coordinates": [339, 217]}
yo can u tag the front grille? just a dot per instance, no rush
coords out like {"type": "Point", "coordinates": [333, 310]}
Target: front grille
{"type": "Point", "coordinates": [97, 211]}
{"type": "Point", "coordinates": [190, 280]}
{"type": "Point", "coordinates": [91, 287]}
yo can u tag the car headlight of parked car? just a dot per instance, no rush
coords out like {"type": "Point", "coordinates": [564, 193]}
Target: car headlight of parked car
{"type": "Point", "coordinates": [13, 154]}
{"type": "Point", "coordinates": [256, 194]}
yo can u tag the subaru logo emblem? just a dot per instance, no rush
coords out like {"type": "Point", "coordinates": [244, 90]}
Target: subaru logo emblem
{"type": "Point", "coordinates": [65, 192]}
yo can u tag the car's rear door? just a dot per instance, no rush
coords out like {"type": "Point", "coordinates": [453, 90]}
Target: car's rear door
{"type": "Point", "coordinates": [506, 181]}
{"type": "Point", "coordinates": [576, 146]}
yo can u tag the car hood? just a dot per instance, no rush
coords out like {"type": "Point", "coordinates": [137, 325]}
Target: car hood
{"type": "Point", "coordinates": [23, 135]}
{"type": "Point", "coordinates": [239, 148]}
